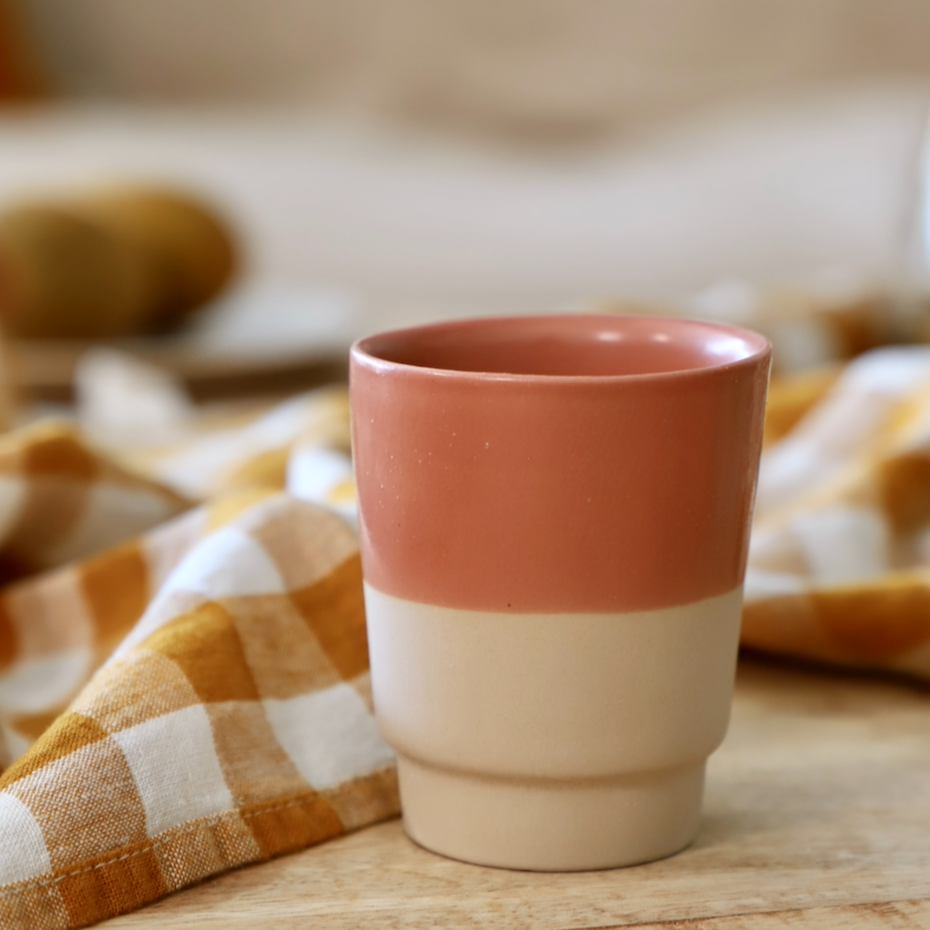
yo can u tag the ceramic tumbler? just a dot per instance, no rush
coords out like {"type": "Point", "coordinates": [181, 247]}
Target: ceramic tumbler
{"type": "Point", "coordinates": [554, 520]}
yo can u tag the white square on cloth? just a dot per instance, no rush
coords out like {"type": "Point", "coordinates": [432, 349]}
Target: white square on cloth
{"type": "Point", "coordinates": [329, 735]}
{"type": "Point", "coordinates": [229, 563]}
{"type": "Point", "coordinates": [174, 764]}
{"type": "Point", "coordinates": [23, 833]}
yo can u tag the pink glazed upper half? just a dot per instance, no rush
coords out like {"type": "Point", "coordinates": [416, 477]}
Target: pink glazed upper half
{"type": "Point", "coordinates": [557, 464]}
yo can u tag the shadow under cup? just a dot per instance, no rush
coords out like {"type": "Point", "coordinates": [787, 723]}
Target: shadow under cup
{"type": "Point", "coordinates": [554, 520]}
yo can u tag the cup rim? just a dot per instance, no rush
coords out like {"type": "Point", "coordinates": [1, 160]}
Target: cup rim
{"type": "Point", "coordinates": [364, 351]}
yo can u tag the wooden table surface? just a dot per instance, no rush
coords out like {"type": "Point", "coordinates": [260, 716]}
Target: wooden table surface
{"type": "Point", "coordinates": [817, 814]}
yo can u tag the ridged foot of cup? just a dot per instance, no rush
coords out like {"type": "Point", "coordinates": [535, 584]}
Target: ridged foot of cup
{"type": "Point", "coordinates": [551, 826]}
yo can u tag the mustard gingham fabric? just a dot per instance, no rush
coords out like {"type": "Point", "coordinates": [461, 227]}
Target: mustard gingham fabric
{"type": "Point", "coordinates": [232, 723]}
{"type": "Point", "coordinates": [58, 628]}
{"type": "Point", "coordinates": [839, 564]}
{"type": "Point", "coordinates": [193, 698]}
{"type": "Point", "coordinates": [61, 501]}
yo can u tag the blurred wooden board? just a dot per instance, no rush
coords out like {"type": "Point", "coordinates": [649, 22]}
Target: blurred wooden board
{"type": "Point", "coordinates": [817, 815]}
{"type": "Point", "coordinates": [44, 370]}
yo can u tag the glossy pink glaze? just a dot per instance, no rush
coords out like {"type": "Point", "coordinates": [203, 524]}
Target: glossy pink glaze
{"type": "Point", "coordinates": [557, 464]}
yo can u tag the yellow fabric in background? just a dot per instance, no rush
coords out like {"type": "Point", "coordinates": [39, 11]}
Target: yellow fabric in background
{"type": "Point", "coordinates": [839, 563]}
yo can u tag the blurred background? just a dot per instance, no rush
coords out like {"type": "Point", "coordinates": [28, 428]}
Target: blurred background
{"type": "Point", "coordinates": [370, 163]}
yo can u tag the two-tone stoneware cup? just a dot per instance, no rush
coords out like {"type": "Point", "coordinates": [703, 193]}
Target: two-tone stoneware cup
{"type": "Point", "coordinates": [554, 519]}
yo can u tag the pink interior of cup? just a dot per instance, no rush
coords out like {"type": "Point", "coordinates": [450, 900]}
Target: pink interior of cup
{"type": "Point", "coordinates": [581, 346]}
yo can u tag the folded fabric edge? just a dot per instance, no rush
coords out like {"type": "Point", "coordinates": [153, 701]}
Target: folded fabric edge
{"type": "Point", "coordinates": [128, 878]}
{"type": "Point", "coordinates": [881, 623]}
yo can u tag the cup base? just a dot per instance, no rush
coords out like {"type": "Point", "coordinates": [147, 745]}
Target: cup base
{"type": "Point", "coordinates": [551, 826]}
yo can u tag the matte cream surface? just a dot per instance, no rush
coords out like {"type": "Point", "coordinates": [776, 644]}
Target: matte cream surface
{"type": "Point", "coordinates": [482, 705]}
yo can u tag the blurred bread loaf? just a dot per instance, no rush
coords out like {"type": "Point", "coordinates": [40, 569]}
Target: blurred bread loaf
{"type": "Point", "coordinates": [113, 263]}
{"type": "Point", "coordinates": [190, 250]}
{"type": "Point", "coordinates": [64, 275]}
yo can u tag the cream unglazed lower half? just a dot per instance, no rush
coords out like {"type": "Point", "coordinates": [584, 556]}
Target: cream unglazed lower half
{"type": "Point", "coordinates": [552, 741]}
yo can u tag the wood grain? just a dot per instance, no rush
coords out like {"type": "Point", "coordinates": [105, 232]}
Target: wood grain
{"type": "Point", "coordinates": [817, 814]}
{"type": "Point", "coordinates": [911, 915]}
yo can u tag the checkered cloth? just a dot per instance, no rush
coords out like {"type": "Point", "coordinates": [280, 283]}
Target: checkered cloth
{"type": "Point", "coordinates": [839, 566]}
{"type": "Point", "coordinates": [61, 501]}
{"type": "Point", "coordinates": [187, 691]}
{"type": "Point", "coordinates": [192, 699]}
